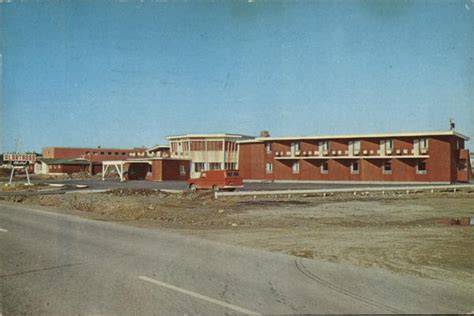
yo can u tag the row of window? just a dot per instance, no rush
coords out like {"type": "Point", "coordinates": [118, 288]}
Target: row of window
{"type": "Point", "coordinates": [354, 167]}
{"type": "Point", "coordinates": [354, 145]}
{"type": "Point", "coordinates": [201, 166]}
{"type": "Point", "coordinates": [203, 145]}
{"type": "Point", "coordinates": [103, 153]}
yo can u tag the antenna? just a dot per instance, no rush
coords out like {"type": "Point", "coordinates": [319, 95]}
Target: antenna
{"type": "Point", "coordinates": [18, 146]}
{"type": "Point", "coordinates": [452, 124]}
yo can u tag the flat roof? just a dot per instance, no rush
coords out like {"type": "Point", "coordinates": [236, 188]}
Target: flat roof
{"type": "Point", "coordinates": [346, 136]}
{"type": "Point", "coordinates": [94, 148]}
{"type": "Point", "coordinates": [158, 147]}
{"type": "Point", "coordinates": [221, 135]}
{"type": "Point", "coordinates": [60, 161]}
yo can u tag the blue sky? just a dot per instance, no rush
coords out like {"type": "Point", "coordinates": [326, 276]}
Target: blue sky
{"type": "Point", "coordinates": [124, 74]}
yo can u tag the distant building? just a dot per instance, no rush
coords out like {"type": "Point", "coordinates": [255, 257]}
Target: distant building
{"type": "Point", "coordinates": [207, 151]}
{"type": "Point", "coordinates": [58, 166]}
{"type": "Point", "coordinates": [93, 155]}
{"type": "Point", "coordinates": [385, 157]}
{"type": "Point", "coordinates": [160, 151]}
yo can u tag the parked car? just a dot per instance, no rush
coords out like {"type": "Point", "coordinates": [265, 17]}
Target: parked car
{"type": "Point", "coordinates": [217, 180]}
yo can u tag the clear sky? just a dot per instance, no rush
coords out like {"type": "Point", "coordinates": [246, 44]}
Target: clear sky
{"type": "Point", "coordinates": [123, 74]}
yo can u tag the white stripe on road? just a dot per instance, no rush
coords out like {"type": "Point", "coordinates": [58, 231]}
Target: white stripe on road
{"type": "Point", "coordinates": [205, 298]}
{"type": "Point", "coordinates": [3, 231]}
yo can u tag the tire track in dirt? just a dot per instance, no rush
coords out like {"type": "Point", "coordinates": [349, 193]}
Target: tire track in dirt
{"type": "Point", "coordinates": [302, 268]}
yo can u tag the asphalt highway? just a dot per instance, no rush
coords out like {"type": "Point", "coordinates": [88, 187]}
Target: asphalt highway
{"type": "Point", "coordinates": [58, 264]}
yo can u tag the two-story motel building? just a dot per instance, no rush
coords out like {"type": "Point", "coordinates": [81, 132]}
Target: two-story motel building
{"type": "Point", "coordinates": [393, 157]}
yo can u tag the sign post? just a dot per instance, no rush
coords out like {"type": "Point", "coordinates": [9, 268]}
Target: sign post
{"type": "Point", "coordinates": [20, 162]}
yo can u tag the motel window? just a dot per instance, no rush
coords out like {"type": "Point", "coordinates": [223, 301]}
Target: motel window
{"type": "Point", "coordinates": [88, 152]}
{"type": "Point", "coordinates": [182, 170]}
{"type": "Point", "coordinates": [324, 167]}
{"type": "Point", "coordinates": [354, 147]}
{"type": "Point", "coordinates": [296, 167]}
{"type": "Point", "coordinates": [268, 147]}
{"type": "Point", "coordinates": [109, 153]}
{"type": "Point", "coordinates": [199, 166]}
{"type": "Point", "coordinates": [424, 143]}
{"type": "Point", "coordinates": [421, 167]}
{"type": "Point", "coordinates": [124, 154]}
{"type": "Point", "coordinates": [230, 166]}
{"type": "Point", "coordinates": [269, 167]}
{"type": "Point", "coordinates": [215, 166]}
{"type": "Point", "coordinates": [387, 167]}
{"type": "Point", "coordinates": [355, 168]}
{"type": "Point", "coordinates": [95, 153]}
{"type": "Point", "coordinates": [102, 153]}
{"type": "Point", "coordinates": [323, 146]}
{"type": "Point", "coordinates": [295, 146]}
{"type": "Point", "coordinates": [116, 153]}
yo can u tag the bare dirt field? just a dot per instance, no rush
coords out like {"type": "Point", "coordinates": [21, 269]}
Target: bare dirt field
{"type": "Point", "coordinates": [420, 234]}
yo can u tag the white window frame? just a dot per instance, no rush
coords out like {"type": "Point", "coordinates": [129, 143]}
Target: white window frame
{"type": "Point", "coordinates": [196, 164]}
{"type": "Point", "coordinates": [387, 171]}
{"type": "Point", "coordinates": [352, 167]}
{"type": "Point", "coordinates": [295, 146]}
{"type": "Point", "coordinates": [295, 168]}
{"type": "Point", "coordinates": [182, 170]}
{"type": "Point", "coordinates": [424, 143]}
{"type": "Point", "coordinates": [215, 166]}
{"type": "Point", "coordinates": [323, 145]}
{"type": "Point", "coordinates": [322, 168]}
{"type": "Point", "coordinates": [418, 171]}
{"type": "Point", "coordinates": [354, 145]}
{"type": "Point", "coordinates": [268, 147]}
{"type": "Point", "coordinates": [269, 167]}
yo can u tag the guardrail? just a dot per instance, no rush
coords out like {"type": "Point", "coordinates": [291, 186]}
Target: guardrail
{"type": "Point", "coordinates": [407, 189]}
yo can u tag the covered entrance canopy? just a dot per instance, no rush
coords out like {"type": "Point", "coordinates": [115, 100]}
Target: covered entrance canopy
{"type": "Point", "coordinates": [121, 166]}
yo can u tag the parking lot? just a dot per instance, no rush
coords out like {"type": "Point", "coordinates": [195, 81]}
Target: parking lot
{"type": "Point", "coordinates": [96, 184]}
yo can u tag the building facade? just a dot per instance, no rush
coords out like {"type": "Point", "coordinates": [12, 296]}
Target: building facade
{"type": "Point", "coordinates": [58, 166]}
{"type": "Point", "coordinates": [392, 157]}
{"type": "Point", "coordinates": [207, 151]}
{"type": "Point", "coordinates": [93, 156]}
{"type": "Point", "coordinates": [96, 154]}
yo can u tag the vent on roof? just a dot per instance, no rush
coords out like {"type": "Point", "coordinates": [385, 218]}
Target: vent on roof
{"type": "Point", "coordinates": [264, 134]}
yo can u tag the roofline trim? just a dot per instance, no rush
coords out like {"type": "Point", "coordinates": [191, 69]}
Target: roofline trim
{"type": "Point", "coordinates": [349, 136]}
{"type": "Point", "coordinates": [224, 135]}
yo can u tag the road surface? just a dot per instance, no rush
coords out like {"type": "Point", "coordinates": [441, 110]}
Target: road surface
{"type": "Point", "coordinates": [58, 264]}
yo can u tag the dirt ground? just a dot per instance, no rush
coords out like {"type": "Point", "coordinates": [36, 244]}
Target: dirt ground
{"type": "Point", "coordinates": [418, 234]}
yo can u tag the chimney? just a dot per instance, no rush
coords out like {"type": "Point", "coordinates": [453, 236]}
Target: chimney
{"type": "Point", "coordinates": [264, 134]}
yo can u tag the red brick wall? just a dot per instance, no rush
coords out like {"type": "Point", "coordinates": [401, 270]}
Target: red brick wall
{"type": "Point", "coordinates": [252, 159]}
{"type": "Point", "coordinates": [168, 169]}
{"type": "Point", "coordinates": [441, 166]}
{"type": "Point", "coordinates": [72, 153]}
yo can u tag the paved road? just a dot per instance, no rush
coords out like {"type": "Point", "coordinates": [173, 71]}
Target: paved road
{"type": "Point", "coordinates": [57, 264]}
